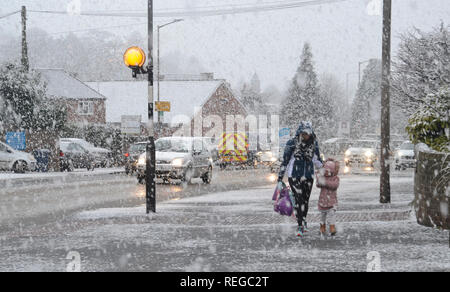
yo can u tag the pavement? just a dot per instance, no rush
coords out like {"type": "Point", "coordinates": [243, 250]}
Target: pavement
{"type": "Point", "coordinates": [235, 231]}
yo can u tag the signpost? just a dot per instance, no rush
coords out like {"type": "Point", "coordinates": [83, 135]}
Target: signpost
{"type": "Point", "coordinates": [162, 106]}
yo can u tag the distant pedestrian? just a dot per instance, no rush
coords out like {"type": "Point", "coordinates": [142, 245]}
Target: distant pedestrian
{"type": "Point", "coordinates": [328, 182]}
{"type": "Point", "coordinates": [300, 156]}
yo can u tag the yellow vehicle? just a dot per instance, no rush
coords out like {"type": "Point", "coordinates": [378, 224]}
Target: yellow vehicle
{"type": "Point", "coordinates": [233, 149]}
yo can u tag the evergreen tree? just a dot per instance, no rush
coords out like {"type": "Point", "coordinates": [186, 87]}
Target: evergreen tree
{"type": "Point", "coordinates": [367, 104]}
{"type": "Point", "coordinates": [305, 102]}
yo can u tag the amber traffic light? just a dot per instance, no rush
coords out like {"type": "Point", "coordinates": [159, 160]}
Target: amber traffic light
{"type": "Point", "coordinates": [134, 57]}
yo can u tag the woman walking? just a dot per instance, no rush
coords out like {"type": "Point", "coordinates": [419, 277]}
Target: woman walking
{"type": "Point", "coordinates": [300, 156]}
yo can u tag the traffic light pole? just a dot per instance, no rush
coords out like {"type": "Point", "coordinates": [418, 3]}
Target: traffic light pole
{"type": "Point", "coordinates": [150, 157]}
{"type": "Point", "coordinates": [385, 184]}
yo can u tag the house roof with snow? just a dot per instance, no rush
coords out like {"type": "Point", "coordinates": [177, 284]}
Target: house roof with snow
{"type": "Point", "coordinates": [131, 97]}
{"type": "Point", "coordinates": [61, 84]}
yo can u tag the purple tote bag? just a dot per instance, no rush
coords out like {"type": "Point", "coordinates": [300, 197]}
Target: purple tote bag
{"type": "Point", "coordinates": [283, 201]}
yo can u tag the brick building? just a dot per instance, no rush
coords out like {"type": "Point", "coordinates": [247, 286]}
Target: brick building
{"type": "Point", "coordinates": [84, 104]}
{"type": "Point", "coordinates": [189, 95]}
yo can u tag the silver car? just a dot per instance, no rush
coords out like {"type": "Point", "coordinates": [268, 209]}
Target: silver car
{"type": "Point", "coordinates": [179, 158]}
{"type": "Point", "coordinates": [362, 152]}
{"type": "Point", "coordinates": [405, 156]}
{"type": "Point", "coordinates": [15, 160]}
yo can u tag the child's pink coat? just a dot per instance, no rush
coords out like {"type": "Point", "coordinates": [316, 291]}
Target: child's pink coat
{"type": "Point", "coordinates": [328, 182]}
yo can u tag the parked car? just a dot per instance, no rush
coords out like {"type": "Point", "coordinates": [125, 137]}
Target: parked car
{"type": "Point", "coordinates": [73, 156]}
{"type": "Point", "coordinates": [102, 156]}
{"type": "Point", "coordinates": [14, 160]}
{"type": "Point", "coordinates": [132, 156]}
{"type": "Point", "coordinates": [362, 152]}
{"type": "Point", "coordinates": [179, 158]}
{"type": "Point", "coordinates": [405, 156]}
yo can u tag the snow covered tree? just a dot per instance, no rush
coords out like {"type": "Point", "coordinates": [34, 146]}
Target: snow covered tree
{"type": "Point", "coordinates": [255, 84]}
{"type": "Point", "coordinates": [332, 89]}
{"type": "Point", "coordinates": [422, 67]}
{"type": "Point", "coordinates": [305, 102]}
{"type": "Point", "coordinates": [366, 106]}
{"type": "Point", "coordinates": [430, 124]}
{"type": "Point", "coordinates": [251, 97]}
{"type": "Point", "coordinates": [272, 95]}
{"type": "Point", "coordinates": [24, 104]}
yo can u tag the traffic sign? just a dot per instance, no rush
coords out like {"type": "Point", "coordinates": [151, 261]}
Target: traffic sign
{"type": "Point", "coordinates": [163, 106]}
{"type": "Point", "coordinates": [16, 140]}
{"type": "Point", "coordinates": [284, 137]}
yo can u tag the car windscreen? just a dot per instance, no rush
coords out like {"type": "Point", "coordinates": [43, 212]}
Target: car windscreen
{"type": "Point", "coordinates": [138, 148]}
{"type": "Point", "coordinates": [3, 147]}
{"type": "Point", "coordinates": [407, 146]}
{"type": "Point", "coordinates": [182, 146]}
{"type": "Point", "coordinates": [365, 144]}
{"type": "Point", "coordinates": [85, 144]}
{"type": "Point", "coordinates": [64, 146]}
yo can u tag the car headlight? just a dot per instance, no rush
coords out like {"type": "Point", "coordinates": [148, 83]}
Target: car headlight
{"type": "Point", "coordinates": [178, 162]}
{"type": "Point", "coordinates": [142, 160]}
{"type": "Point", "coordinates": [348, 153]}
{"type": "Point", "coordinates": [369, 154]}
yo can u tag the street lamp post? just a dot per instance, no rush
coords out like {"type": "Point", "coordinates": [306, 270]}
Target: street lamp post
{"type": "Point", "coordinates": [159, 66]}
{"type": "Point", "coordinates": [359, 70]}
{"type": "Point", "coordinates": [347, 85]}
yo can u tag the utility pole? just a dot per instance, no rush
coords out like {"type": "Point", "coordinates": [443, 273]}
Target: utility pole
{"type": "Point", "coordinates": [158, 80]}
{"type": "Point", "coordinates": [385, 186]}
{"type": "Point", "coordinates": [151, 156]}
{"type": "Point", "coordinates": [25, 62]}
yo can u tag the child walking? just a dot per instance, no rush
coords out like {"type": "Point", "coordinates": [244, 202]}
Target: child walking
{"type": "Point", "coordinates": [328, 182]}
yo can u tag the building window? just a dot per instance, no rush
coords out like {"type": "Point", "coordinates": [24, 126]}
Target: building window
{"type": "Point", "coordinates": [86, 108]}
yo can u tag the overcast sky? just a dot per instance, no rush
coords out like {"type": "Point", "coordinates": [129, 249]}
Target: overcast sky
{"type": "Point", "coordinates": [268, 43]}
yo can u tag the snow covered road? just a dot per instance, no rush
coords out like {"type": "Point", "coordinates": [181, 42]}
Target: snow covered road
{"type": "Point", "coordinates": [38, 202]}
